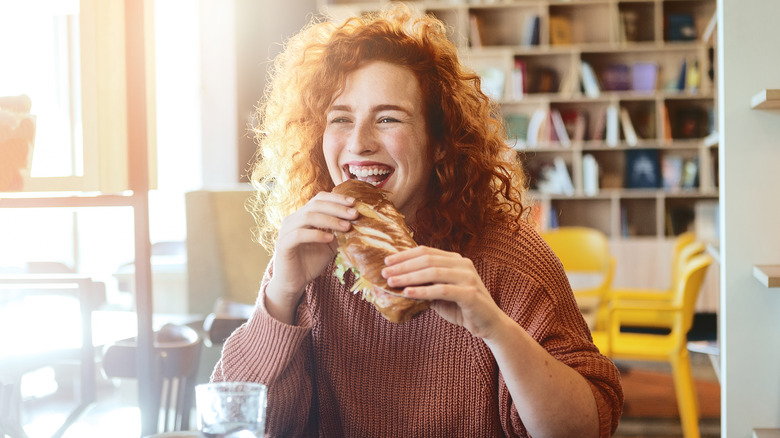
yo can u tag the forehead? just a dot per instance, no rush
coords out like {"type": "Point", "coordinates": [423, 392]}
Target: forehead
{"type": "Point", "coordinates": [381, 80]}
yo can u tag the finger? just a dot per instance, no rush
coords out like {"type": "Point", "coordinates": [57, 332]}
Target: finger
{"type": "Point", "coordinates": [437, 292]}
{"type": "Point", "coordinates": [412, 261]}
{"type": "Point", "coordinates": [431, 275]}
{"type": "Point", "coordinates": [337, 198]}
{"type": "Point", "coordinates": [408, 254]}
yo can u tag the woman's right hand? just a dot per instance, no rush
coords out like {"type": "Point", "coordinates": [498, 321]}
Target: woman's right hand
{"type": "Point", "coordinates": [305, 246]}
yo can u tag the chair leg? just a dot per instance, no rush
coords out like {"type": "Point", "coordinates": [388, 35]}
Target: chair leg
{"type": "Point", "coordinates": [687, 399]}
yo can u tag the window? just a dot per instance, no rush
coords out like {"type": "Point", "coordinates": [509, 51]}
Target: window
{"type": "Point", "coordinates": [68, 56]}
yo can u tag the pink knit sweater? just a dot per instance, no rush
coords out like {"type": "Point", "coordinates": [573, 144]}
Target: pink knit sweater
{"type": "Point", "coordinates": [344, 371]}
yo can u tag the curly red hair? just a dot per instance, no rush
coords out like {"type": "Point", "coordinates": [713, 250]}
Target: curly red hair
{"type": "Point", "coordinates": [477, 178]}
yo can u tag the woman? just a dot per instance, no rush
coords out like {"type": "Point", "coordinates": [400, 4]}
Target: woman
{"type": "Point", "coordinates": [503, 351]}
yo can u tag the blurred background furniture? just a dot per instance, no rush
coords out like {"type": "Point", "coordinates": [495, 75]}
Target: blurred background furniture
{"type": "Point", "coordinates": [223, 259]}
{"type": "Point", "coordinates": [586, 258]}
{"type": "Point", "coordinates": [31, 341]}
{"type": "Point", "coordinates": [226, 317]}
{"type": "Point", "coordinates": [667, 341]}
{"type": "Point", "coordinates": [176, 357]}
{"type": "Point", "coordinates": [685, 248]}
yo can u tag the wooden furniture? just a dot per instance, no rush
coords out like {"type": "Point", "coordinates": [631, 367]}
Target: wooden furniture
{"type": "Point", "coordinates": [226, 318]}
{"type": "Point", "coordinates": [174, 367]}
{"type": "Point", "coordinates": [766, 99]}
{"type": "Point", "coordinates": [540, 73]}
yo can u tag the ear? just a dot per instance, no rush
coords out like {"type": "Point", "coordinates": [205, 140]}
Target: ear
{"type": "Point", "coordinates": [438, 153]}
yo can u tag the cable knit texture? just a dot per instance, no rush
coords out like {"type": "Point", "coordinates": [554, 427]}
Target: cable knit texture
{"type": "Point", "coordinates": [345, 371]}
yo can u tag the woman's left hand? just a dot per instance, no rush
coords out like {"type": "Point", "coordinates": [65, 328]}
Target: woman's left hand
{"type": "Point", "coordinates": [451, 282]}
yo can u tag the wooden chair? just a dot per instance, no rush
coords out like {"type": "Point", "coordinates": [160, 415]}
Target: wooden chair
{"type": "Point", "coordinates": [673, 320]}
{"type": "Point", "coordinates": [584, 252]}
{"type": "Point", "coordinates": [177, 354]}
{"type": "Point", "coordinates": [227, 316]}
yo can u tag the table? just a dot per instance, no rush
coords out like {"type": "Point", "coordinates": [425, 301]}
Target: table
{"type": "Point", "coordinates": [15, 362]}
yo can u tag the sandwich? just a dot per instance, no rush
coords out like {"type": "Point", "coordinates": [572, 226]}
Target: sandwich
{"type": "Point", "coordinates": [379, 231]}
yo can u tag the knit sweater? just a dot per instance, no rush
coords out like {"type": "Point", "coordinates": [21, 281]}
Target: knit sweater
{"type": "Point", "coordinates": [344, 371]}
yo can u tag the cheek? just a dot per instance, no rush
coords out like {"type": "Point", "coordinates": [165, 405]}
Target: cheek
{"type": "Point", "coordinates": [330, 148]}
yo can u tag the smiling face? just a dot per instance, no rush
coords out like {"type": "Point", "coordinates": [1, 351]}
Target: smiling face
{"type": "Point", "coordinates": [376, 131]}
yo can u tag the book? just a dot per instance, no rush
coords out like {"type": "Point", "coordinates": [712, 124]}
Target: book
{"type": "Point", "coordinates": [628, 26]}
{"type": "Point", "coordinates": [531, 31]}
{"type": "Point", "coordinates": [629, 134]}
{"type": "Point", "coordinates": [667, 123]}
{"type": "Point", "coordinates": [643, 170]}
{"type": "Point", "coordinates": [671, 171]}
{"type": "Point", "coordinates": [560, 128]}
{"type": "Point", "coordinates": [682, 77]}
{"type": "Point", "coordinates": [690, 173]}
{"type": "Point", "coordinates": [492, 82]}
{"type": "Point", "coordinates": [599, 125]}
{"type": "Point", "coordinates": [535, 126]}
{"type": "Point", "coordinates": [519, 79]}
{"type": "Point", "coordinates": [693, 77]}
{"type": "Point", "coordinates": [616, 77]}
{"type": "Point", "coordinates": [570, 83]}
{"type": "Point", "coordinates": [612, 128]}
{"type": "Point", "coordinates": [475, 30]}
{"type": "Point", "coordinates": [562, 173]}
{"type": "Point", "coordinates": [590, 175]}
{"type": "Point", "coordinates": [690, 122]}
{"type": "Point", "coordinates": [589, 82]}
{"type": "Point", "coordinates": [516, 125]}
{"type": "Point", "coordinates": [560, 30]}
{"type": "Point", "coordinates": [681, 27]}
{"type": "Point", "coordinates": [575, 122]}
{"type": "Point", "coordinates": [542, 80]}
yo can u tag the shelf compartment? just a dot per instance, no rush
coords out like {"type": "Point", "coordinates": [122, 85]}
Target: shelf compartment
{"type": "Point", "coordinates": [690, 118]}
{"type": "Point", "coordinates": [638, 217]}
{"type": "Point", "coordinates": [635, 23]}
{"type": "Point", "coordinates": [681, 213]}
{"type": "Point", "coordinates": [686, 20]}
{"type": "Point", "coordinates": [500, 25]}
{"type": "Point", "coordinates": [594, 213]}
{"type": "Point", "coordinates": [577, 19]}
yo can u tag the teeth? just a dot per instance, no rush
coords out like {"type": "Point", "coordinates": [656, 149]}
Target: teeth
{"type": "Point", "coordinates": [363, 172]}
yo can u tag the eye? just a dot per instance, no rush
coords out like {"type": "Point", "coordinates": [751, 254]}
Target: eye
{"type": "Point", "coordinates": [388, 119]}
{"type": "Point", "coordinates": [338, 119]}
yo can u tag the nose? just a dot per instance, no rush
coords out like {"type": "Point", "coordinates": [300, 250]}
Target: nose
{"type": "Point", "coordinates": [362, 140]}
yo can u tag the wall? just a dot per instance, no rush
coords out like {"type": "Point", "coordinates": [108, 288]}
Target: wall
{"type": "Point", "coordinates": [261, 28]}
{"type": "Point", "coordinates": [750, 212]}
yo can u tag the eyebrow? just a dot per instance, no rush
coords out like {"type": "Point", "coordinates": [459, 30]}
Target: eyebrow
{"type": "Point", "coordinates": [377, 108]}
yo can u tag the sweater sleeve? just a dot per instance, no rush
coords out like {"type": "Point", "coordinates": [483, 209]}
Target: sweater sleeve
{"type": "Point", "coordinates": [536, 293]}
{"type": "Point", "coordinates": [278, 355]}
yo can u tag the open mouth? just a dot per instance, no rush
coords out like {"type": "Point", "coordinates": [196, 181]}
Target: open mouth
{"type": "Point", "coordinates": [375, 175]}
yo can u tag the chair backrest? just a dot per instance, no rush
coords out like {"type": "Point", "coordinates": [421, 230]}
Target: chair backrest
{"type": "Point", "coordinates": [177, 355]}
{"type": "Point", "coordinates": [582, 250]}
{"type": "Point", "coordinates": [688, 288]}
{"type": "Point", "coordinates": [685, 247]}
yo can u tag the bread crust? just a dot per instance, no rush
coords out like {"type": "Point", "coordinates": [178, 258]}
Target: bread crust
{"type": "Point", "coordinates": [379, 231]}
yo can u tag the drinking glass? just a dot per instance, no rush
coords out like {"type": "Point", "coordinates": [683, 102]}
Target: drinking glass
{"type": "Point", "coordinates": [231, 409]}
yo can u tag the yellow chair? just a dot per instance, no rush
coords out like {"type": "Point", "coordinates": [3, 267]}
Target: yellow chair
{"type": "Point", "coordinates": [586, 257]}
{"type": "Point", "coordinates": [676, 317]}
{"type": "Point", "coordinates": [685, 248]}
